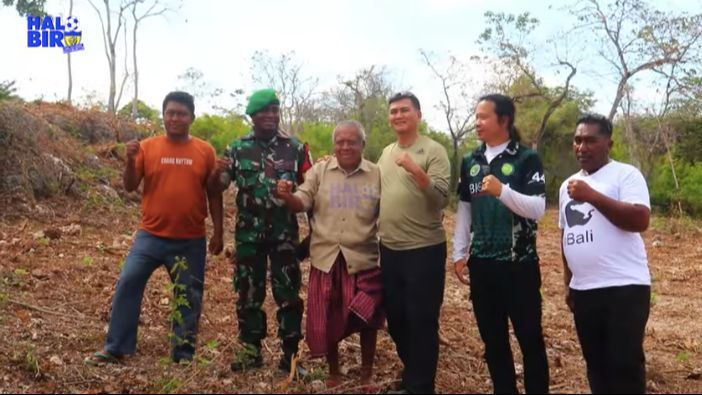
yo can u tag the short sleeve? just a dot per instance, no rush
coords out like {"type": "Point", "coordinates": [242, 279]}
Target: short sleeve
{"type": "Point", "coordinates": [633, 189]}
{"type": "Point", "coordinates": [561, 206]}
{"type": "Point", "coordinates": [307, 191]}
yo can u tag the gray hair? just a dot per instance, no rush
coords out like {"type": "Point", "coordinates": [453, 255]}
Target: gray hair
{"type": "Point", "coordinates": [355, 124]}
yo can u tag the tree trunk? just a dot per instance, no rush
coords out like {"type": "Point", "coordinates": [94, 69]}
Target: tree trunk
{"type": "Point", "coordinates": [455, 166]}
{"type": "Point", "coordinates": [671, 162]}
{"type": "Point", "coordinates": [113, 85]}
{"type": "Point", "coordinates": [136, 72]}
{"type": "Point", "coordinates": [621, 88]}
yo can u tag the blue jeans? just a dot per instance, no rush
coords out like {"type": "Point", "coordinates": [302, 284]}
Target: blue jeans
{"type": "Point", "coordinates": [148, 253]}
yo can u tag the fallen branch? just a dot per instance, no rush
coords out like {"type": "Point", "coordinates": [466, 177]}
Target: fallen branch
{"type": "Point", "coordinates": [353, 390]}
{"type": "Point", "coordinates": [37, 308]}
{"type": "Point", "coordinates": [68, 316]}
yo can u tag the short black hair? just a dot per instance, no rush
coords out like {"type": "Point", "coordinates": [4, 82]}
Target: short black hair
{"type": "Point", "coordinates": [605, 125]}
{"type": "Point", "coordinates": [406, 95]}
{"type": "Point", "coordinates": [183, 98]}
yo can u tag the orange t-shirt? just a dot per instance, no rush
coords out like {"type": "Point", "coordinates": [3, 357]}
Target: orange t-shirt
{"type": "Point", "coordinates": [174, 201]}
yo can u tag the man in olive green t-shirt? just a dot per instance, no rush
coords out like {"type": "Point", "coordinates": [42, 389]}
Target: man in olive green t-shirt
{"type": "Point", "coordinates": [415, 172]}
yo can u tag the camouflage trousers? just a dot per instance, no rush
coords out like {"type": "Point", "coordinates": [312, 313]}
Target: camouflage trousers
{"type": "Point", "coordinates": [250, 284]}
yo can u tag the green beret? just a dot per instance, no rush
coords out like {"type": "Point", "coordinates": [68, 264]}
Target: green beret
{"type": "Point", "coordinates": [260, 100]}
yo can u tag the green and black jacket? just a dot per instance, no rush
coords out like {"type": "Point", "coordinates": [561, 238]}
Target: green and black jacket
{"type": "Point", "coordinates": [498, 233]}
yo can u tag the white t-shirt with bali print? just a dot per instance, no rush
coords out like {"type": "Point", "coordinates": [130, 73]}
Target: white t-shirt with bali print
{"type": "Point", "coordinates": [599, 254]}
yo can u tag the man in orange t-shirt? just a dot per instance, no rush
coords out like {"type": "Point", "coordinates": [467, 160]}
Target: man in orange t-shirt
{"type": "Point", "coordinates": [175, 169]}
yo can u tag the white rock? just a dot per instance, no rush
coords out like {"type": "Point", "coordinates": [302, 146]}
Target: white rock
{"type": "Point", "coordinates": [72, 230]}
{"type": "Point", "coordinates": [56, 360]}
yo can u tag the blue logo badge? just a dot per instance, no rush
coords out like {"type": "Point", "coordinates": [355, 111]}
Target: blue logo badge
{"type": "Point", "coordinates": [52, 32]}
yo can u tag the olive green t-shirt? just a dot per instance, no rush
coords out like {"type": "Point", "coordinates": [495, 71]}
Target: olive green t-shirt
{"type": "Point", "coordinates": [411, 217]}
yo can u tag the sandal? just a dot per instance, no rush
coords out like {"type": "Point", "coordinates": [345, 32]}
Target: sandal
{"type": "Point", "coordinates": [101, 358]}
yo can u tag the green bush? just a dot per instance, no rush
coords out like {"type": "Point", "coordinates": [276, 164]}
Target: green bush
{"type": "Point", "coordinates": [218, 130]}
{"type": "Point", "coordinates": [665, 196]}
{"type": "Point", "coordinates": [319, 137]}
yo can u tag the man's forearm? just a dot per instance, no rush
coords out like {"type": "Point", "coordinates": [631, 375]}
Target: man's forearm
{"type": "Point", "coordinates": [216, 203]}
{"type": "Point", "coordinates": [420, 177]}
{"type": "Point", "coordinates": [626, 216]}
{"type": "Point", "coordinates": [130, 178]}
{"type": "Point", "coordinates": [294, 203]}
{"type": "Point", "coordinates": [214, 182]}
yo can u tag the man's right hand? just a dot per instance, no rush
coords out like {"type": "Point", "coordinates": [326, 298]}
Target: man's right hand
{"type": "Point", "coordinates": [460, 268]}
{"type": "Point", "coordinates": [132, 149]}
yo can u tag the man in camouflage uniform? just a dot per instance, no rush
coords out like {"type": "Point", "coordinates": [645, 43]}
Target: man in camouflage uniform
{"type": "Point", "coordinates": [265, 229]}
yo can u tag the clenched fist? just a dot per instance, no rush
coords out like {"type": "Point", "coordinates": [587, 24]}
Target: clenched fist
{"type": "Point", "coordinates": [492, 186]}
{"type": "Point", "coordinates": [284, 188]}
{"type": "Point", "coordinates": [223, 165]}
{"type": "Point", "coordinates": [405, 161]}
{"type": "Point", "coordinates": [132, 149]}
{"type": "Point", "coordinates": [460, 268]}
{"type": "Point", "coordinates": [581, 191]}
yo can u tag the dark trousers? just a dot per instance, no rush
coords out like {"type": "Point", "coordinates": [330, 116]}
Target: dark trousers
{"type": "Point", "coordinates": [503, 292]}
{"type": "Point", "coordinates": [413, 291]}
{"type": "Point", "coordinates": [147, 254]}
{"type": "Point", "coordinates": [611, 325]}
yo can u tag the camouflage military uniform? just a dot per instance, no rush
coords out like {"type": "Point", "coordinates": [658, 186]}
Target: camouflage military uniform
{"type": "Point", "coordinates": [266, 229]}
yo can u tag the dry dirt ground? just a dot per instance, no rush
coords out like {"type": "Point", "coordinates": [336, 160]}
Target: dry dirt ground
{"type": "Point", "coordinates": [55, 295]}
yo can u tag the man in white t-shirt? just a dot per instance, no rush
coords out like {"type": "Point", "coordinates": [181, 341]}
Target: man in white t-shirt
{"type": "Point", "coordinates": [603, 208]}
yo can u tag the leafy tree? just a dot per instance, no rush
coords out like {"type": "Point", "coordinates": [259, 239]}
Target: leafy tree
{"type": "Point", "coordinates": [144, 113]}
{"type": "Point", "coordinates": [7, 90]}
{"type": "Point", "coordinates": [220, 131]}
{"type": "Point", "coordinates": [26, 7]}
